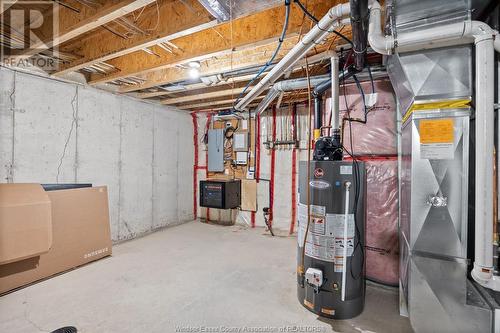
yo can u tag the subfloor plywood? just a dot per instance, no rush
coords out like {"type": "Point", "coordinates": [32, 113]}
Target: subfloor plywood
{"type": "Point", "coordinates": [194, 275]}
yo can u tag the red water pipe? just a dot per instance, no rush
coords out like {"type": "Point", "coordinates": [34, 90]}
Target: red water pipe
{"type": "Point", "coordinates": [257, 158]}
{"type": "Point", "coordinates": [273, 164]}
{"type": "Point", "coordinates": [294, 176]}
{"type": "Point", "coordinates": [195, 166]}
{"type": "Point", "coordinates": [207, 126]}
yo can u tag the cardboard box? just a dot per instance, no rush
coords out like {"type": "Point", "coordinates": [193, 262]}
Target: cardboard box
{"type": "Point", "coordinates": [25, 222]}
{"type": "Point", "coordinates": [80, 234]}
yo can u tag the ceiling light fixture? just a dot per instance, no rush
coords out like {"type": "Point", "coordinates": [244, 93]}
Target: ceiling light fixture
{"type": "Point", "coordinates": [194, 64]}
{"type": "Point", "coordinates": [194, 73]}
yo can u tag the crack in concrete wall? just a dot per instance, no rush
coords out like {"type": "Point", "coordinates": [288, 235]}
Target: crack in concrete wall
{"type": "Point", "coordinates": [129, 145]}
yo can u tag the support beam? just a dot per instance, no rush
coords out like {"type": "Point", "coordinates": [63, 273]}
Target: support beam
{"type": "Point", "coordinates": [73, 24]}
{"type": "Point", "coordinates": [245, 32]}
{"type": "Point", "coordinates": [215, 65]}
{"type": "Point", "coordinates": [207, 104]}
{"type": "Point", "coordinates": [214, 94]}
{"type": "Point", "coordinates": [176, 20]}
{"type": "Point", "coordinates": [235, 61]}
{"type": "Point", "coordinates": [194, 87]}
{"type": "Point", "coordinates": [213, 109]}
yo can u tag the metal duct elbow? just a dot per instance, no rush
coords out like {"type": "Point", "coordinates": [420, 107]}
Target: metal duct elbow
{"type": "Point", "coordinates": [359, 23]}
{"type": "Point", "coordinates": [378, 41]}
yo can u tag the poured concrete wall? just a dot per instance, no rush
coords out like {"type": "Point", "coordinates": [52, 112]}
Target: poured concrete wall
{"type": "Point", "coordinates": [52, 131]}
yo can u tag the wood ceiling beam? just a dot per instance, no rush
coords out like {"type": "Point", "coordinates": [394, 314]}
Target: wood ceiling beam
{"type": "Point", "coordinates": [207, 104]}
{"type": "Point", "coordinates": [176, 20]}
{"type": "Point", "coordinates": [199, 86]}
{"type": "Point", "coordinates": [225, 107]}
{"type": "Point", "coordinates": [195, 86]}
{"type": "Point", "coordinates": [72, 24]}
{"type": "Point", "coordinates": [215, 65]}
{"type": "Point", "coordinates": [214, 94]}
{"type": "Point", "coordinates": [235, 61]}
{"type": "Point", "coordinates": [245, 32]}
{"type": "Point", "coordinates": [205, 107]}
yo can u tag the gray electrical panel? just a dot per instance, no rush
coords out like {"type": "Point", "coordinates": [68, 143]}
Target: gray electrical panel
{"type": "Point", "coordinates": [216, 150]}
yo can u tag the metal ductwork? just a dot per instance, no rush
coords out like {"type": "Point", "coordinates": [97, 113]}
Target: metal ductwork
{"type": "Point", "coordinates": [359, 24]}
{"type": "Point", "coordinates": [441, 65]}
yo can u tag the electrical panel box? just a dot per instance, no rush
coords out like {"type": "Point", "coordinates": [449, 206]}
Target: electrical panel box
{"type": "Point", "coordinates": [221, 194]}
{"type": "Point", "coordinates": [216, 150]}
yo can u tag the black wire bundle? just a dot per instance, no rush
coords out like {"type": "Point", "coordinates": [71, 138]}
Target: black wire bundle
{"type": "Point", "coordinates": [357, 181]}
{"type": "Point", "coordinates": [315, 20]}
{"type": "Point", "coordinates": [270, 61]}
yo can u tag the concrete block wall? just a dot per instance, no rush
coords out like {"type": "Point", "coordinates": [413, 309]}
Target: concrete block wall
{"type": "Point", "coordinates": [52, 131]}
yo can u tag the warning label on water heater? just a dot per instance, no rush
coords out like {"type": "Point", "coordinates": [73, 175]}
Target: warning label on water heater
{"type": "Point", "coordinates": [325, 238]}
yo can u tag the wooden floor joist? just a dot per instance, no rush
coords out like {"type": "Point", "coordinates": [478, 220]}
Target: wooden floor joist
{"type": "Point", "coordinates": [211, 108]}
{"type": "Point", "coordinates": [73, 24]}
{"type": "Point", "coordinates": [176, 19]}
{"type": "Point", "coordinates": [235, 61]}
{"type": "Point", "coordinates": [212, 103]}
{"type": "Point", "coordinates": [245, 32]}
{"type": "Point", "coordinates": [198, 97]}
{"type": "Point", "coordinates": [194, 86]}
{"type": "Point", "coordinates": [230, 62]}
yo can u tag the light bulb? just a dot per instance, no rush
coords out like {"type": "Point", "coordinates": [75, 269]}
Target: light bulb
{"type": "Point", "coordinates": [194, 73]}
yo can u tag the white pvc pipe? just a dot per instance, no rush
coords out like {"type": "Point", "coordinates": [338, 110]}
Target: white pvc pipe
{"type": "Point", "coordinates": [485, 77]}
{"type": "Point", "coordinates": [376, 38]}
{"type": "Point", "coordinates": [485, 40]}
{"type": "Point", "coordinates": [344, 256]}
{"type": "Point", "coordinates": [450, 34]}
{"type": "Point", "coordinates": [335, 124]}
{"type": "Point", "coordinates": [314, 36]}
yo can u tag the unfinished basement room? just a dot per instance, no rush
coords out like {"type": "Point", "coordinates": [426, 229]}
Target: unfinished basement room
{"type": "Point", "coordinates": [249, 166]}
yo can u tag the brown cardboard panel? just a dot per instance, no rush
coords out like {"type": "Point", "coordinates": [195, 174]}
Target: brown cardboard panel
{"type": "Point", "coordinates": [249, 195]}
{"type": "Point", "coordinates": [25, 222]}
{"type": "Point", "coordinates": [81, 234]}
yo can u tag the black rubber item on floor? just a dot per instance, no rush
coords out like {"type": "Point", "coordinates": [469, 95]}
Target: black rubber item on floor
{"type": "Point", "coordinates": [67, 329]}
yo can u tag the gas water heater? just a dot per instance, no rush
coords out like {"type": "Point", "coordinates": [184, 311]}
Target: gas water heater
{"type": "Point", "coordinates": [330, 256]}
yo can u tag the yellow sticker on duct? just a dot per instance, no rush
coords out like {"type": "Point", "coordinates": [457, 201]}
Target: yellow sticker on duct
{"type": "Point", "coordinates": [436, 131]}
{"type": "Point", "coordinates": [436, 139]}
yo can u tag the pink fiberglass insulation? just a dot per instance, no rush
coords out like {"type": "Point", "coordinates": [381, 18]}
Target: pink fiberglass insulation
{"type": "Point", "coordinates": [378, 135]}
{"type": "Point", "coordinates": [382, 247]}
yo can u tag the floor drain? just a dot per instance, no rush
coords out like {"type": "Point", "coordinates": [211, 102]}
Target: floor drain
{"type": "Point", "coordinates": [67, 329]}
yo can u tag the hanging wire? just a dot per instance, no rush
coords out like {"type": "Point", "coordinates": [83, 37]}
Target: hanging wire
{"type": "Point", "coordinates": [315, 20]}
{"type": "Point", "coordinates": [270, 61]}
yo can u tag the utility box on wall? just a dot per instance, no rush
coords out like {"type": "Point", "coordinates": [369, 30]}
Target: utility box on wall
{"type": "Point", "coordinates": [221, 194]}
{"type": "Point", "coordinates": [216, 150]}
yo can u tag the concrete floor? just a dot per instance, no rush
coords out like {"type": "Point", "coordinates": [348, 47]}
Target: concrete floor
{"type": "Point", "coordinates": [194, 276]}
